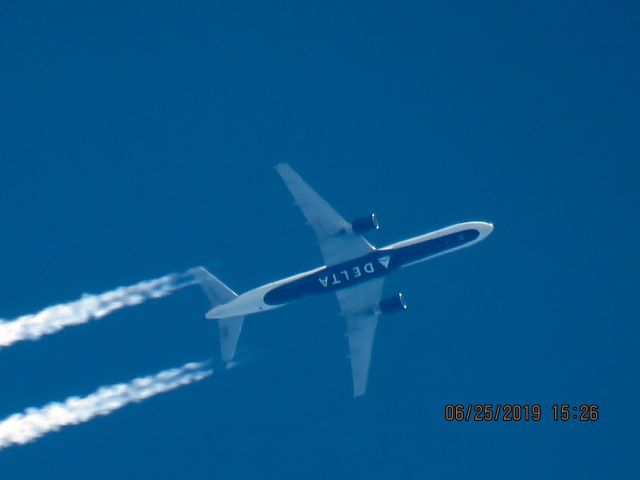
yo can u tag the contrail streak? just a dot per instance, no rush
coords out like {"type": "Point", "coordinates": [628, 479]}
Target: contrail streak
{"type": "Point", "coordinates": [21, 428]}
{"type": "Point", "coordinates": [87, 308]}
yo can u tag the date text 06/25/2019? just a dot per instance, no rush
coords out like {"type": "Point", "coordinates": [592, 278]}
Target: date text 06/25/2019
{"type": "Point", "coordinates": [520, 412]}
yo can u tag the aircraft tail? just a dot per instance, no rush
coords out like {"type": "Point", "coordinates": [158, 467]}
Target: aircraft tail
{"type": "Point", "coordinates": [216, 291]}
{"type": "Point", "coordinates": [230, 328]}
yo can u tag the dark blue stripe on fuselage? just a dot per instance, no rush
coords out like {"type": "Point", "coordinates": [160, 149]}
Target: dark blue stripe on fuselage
{"type": "Point", "coordinates": [373, 265]}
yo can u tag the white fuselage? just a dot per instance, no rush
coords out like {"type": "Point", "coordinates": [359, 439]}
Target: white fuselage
{"type": "Point", "coordinates": [379, 263]}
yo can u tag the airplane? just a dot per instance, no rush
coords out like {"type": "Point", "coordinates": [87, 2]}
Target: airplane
{"type": "Point", "coordinates": [354, 271]}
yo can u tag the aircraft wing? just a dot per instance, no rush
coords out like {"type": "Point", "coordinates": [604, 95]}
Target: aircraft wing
{"type": "Point", "coordinates": [337, 242]}
{"type": "Point", "coordinates": [357, 304]}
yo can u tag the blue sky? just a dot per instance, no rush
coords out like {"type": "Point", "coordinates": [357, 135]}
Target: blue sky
{"type": "Point", "coordinates": [139, 140]}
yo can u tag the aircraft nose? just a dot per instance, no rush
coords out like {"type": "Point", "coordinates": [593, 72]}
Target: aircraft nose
{"type": "Point", "coordinates": [485, 229]}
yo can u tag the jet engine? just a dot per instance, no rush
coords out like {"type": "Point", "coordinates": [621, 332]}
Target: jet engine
{"type": "Point", "coordinates": [392, 304]}
{"type": "Point", "coordinates": [365, 224]}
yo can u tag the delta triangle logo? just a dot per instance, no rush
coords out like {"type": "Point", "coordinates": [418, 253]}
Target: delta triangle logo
{"type": "Point", "coordinates": [384, 261]}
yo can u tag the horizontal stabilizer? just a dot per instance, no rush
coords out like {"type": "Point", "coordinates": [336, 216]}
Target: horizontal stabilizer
{"type": "Point", "coordinates": [229, 334]}
{"type": "Point", "coordinates": [216, 291]}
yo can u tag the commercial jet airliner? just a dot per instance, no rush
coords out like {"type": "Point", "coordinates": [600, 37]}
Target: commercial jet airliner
{"type": "Point", "coordinates": [354, 270]}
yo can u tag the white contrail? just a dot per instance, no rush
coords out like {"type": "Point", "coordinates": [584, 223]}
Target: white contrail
{"type": "Point", "coordinates": [21, 428]}
{"type": "Point", "coordinates": [87, 308]}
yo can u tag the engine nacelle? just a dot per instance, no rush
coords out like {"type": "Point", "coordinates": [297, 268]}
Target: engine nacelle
{"type": "Point", "coordinates": [392, 304]}
{"type": "Point", "coordinates": [365, 224]}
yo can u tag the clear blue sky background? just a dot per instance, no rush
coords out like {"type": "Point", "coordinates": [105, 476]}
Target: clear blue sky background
{"type": "Point", "coordinates": [138, 138]}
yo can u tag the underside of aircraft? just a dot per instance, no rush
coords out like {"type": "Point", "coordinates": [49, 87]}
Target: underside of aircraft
{"type": "Point", "coordinates": [354, 271]}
